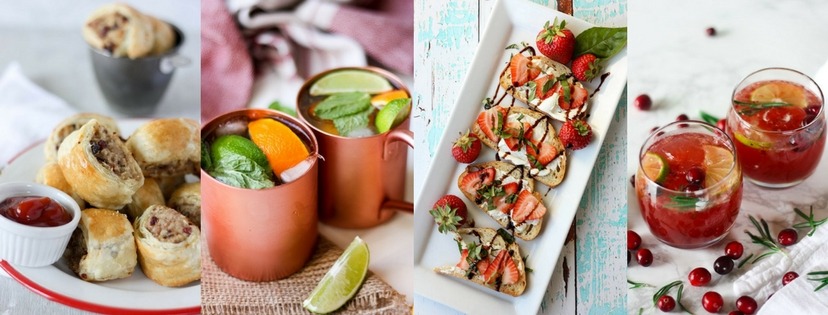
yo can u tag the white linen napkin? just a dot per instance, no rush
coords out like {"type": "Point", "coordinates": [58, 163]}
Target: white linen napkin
{"type": "Point", "coordinates": [27, 112]}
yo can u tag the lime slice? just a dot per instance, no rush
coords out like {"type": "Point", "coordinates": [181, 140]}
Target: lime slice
{"type": "Point", "coordinates": [655, 166]}
{"type": "Point", "coordinates": [342, 281]}
{"type": "Point", "coordinates": [226, 146]}
{"type": "Point", "coordinates": [779, 91]}
{"type": "Point", "coordinates": [350, 81]}
{"type": "Point", "coordinates": [717, 164]}
{"type": "Point", "coordinates": [392, 114]}
{"type": "Point", "coordinates": [756, 144]}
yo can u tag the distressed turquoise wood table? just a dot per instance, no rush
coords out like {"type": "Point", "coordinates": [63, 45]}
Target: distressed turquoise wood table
{"type": "Point", "coordinates": [589, 277]}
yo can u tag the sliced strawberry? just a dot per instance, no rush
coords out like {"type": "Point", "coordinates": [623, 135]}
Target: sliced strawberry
{"type": "Point", "coordinates": [540, 82]}
{"type": "Point", "coordinates": [538, 213]}
{"type": "Point", "coordinates": [514, 128]}
{"type": "Point", "coordinates": [494, 267]}
{"type": "Point", "coordinates": [500, 202]}
{"type": "Point", "coordinates": [464, 264]}
{"type": "Point", "coordinates": [482, 265]}
{"type": "Point", "coordinates": [489, 121]}
{"type": "Point", "coordinates": [511, 275]}
{"type": "Point", "coordinates": [548, 152]}
{"type": "Point", "coordinates": [476, 180]}
{"type": "Point", "coordinates": [578, 96]}
{"type": "Point", "coordinates": [519, 69]}
{"type": "Point", "coordinates": [525, 204]}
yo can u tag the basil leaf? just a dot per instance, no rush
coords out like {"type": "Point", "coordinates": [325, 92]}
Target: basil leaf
{"type": "Point", "coordinates": [239, 171]}
{"type": "Point", "coordinates": [603, 42]}
{"type": "Point", "coordinates": [350, 123]}
{"type": "Point", "coordinates": [532, 90]}
{"type": "Point", "coordinates": [342, 104]}
{"type": "Point", "coordinates": [547, 86]}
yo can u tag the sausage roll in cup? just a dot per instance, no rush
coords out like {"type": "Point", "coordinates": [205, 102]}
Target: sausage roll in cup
{"type": "Point", "coordinates": [187, 201]}
{"type": "Point", "coordinates": [166, 147]}
{"type": "Point", "coordinates": [70, 124]}
{"type": "Point", "coordinates": [168, 246]}
{"type": "Point", "coordinates": [98, 166]}
{"type": "Point", "coordinates": [102, 247]}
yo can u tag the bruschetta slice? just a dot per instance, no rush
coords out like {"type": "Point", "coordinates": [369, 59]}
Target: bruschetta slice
{"type": "Point", "coordinates": [489, 259]}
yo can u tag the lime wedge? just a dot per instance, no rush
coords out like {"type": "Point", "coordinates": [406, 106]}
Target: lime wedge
{"type": "Point", "coordinates": [342, 281]}
{"type": "Point", "coordinates": [655, 166]}
{"type": "Point", "coordinates": [756, 144]}
{"type": "Point", "coordinates": [392, 114]}
{"type": "Point", "coordinates": [350, 81]}
{"type": "Point", "coordinates": [778, 91]}
{"type": "Point", "coordinates": [717, 164]}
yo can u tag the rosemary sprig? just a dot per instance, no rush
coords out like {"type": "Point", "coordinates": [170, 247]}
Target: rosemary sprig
{"type": "Point", "coordinates": [664, 290]}
{"type": "Point", "coordinates": [710, 119]}
{"type": "Point", "coordinates": [636, 285]}
{"type": "Point", "coordinates": [810, 222]}
{"type": "Point", "coordinates": [763, 239]}
{"type": "Point", "coordinates": [742, 263]}
{"type": "Point", "coordinates": [678, 299]}
{"type": "Point", "coordinates": [750, 108]}
{"type": "Point", "coordinates": [815, 276]}
{"type": "Point", "coordinates": [682, 202]}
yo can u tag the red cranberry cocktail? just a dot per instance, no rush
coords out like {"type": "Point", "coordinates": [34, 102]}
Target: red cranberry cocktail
{"type": "Point", "coordinates": [688, 184]}
{"type": "Point", "coordinates": [777, 124]}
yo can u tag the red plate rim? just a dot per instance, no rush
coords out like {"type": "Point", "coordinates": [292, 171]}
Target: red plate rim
{"type": "Point", "coordinates": [83, 305]}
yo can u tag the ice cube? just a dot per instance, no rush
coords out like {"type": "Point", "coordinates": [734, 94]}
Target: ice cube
{"type": "Point", "coordinates": [236, 126]}
{"type": "Point", "coordinates": [361, 132]}
{"type": "Point", "coordinates": [299, 169]}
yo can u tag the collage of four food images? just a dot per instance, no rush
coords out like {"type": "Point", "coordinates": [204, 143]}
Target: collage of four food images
{"type": "Point", "coordinates": [413, 157]}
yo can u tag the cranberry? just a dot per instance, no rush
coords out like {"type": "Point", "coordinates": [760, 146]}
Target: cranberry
{"type": "Point", "coordinates": [699, 277]}
{"type": "Point", "coordinates": [653, 129]}
{"type": "Point", "coordinates": [695, 175]}
{"type": "Point", "coordinates": [643, 102]}
{"type": "Point", "coordinates": [746, 305]}
{"type": "Point", "coordinates": [628, 257]}
{"type": "Point", "coordinates": [712, 301]}
{"type": "Point", "coordinates": [735, 313]}
{"type": "Point", "coordinates": [787, 237]}
{"type": "Point", "coordinates": [734, 250]}
{"type": "Point", "coordinates": [812, 110]}
{"type": "Point", "coordinates": [788, 277]}
{"type": "Point", "coordinates": [644, 257]}
{"type": "Point", "coordinates": [808, 120]}
{"type": "Point", "coordinates": [723, 265]}
{"type": "Point", "coordinates": [710, 31]}
{"type": "Point", "coordinates": [682, 117]}
{"type": "Point", "coordinates": [666, 303]}
{"type": "Point", "coordinates": [633, 240]}
{"type": "Point", "coordinates": [721, 124]}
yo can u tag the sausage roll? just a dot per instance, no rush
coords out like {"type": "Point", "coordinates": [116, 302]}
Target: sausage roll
{"type": "Point", "coordinates": [72, 123]}
{"type": "Point", "coordinates": [120, 30]}
{"type": "Point", "coordinates": [98, 166]}
{"type": "Point", "coordinates": [102, 247]}
{"type": "Point", "coordinates": [164, 36]}
{"type": "Point", "coordinates": [187, 200]}
{"type": "Point", "coordinates": [168, 247]}
{"type": "Point", "coordinates": [169, 184]}
{"type": "Point", "coordinates": [51, 175]}
{"type": "Point", "coordinates": [166, 147]}
{"type": "Point", "coordinates": [149, 194]}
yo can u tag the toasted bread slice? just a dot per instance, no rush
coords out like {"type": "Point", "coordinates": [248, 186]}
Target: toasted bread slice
{"type": "Point", "coordinates": [490, 238]}
{"type": "Point", "coordinates": [503, 172]}
{"type": "Point", "coordinates": [550, 68]}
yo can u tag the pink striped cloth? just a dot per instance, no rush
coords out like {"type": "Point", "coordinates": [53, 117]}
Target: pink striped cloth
{"type": "Point", "coordinates": [385, 29]}
{"type": "Point", "coordinates": [226, 66]}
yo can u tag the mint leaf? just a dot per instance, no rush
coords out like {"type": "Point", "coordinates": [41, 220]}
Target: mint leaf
{"type": "Point", "coordinates": [239, 171]}
{"type": "Point", "coordinates": [603, 42]}
{"type": "Point", "coordinates": [282, 108]}
{"type": "Point", "coordinates": [350, 123]}
{"type": "Point", "coordinates": [342, 104]}
{"type": "Point", "coordinates": [206, 161]}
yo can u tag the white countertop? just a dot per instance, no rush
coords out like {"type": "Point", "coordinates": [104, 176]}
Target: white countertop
{"type": "Point", "coordinates": [684, 71]}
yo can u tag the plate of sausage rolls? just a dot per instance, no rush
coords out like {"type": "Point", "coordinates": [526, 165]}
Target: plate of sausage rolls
{"type": "Point", "coordinates": [137, 247]}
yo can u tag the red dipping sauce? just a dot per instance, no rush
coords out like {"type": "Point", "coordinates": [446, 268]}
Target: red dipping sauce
{"type": "Point", "coordinates": [35, 211]}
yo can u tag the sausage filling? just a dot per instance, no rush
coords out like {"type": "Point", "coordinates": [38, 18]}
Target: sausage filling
{"type": "Point", "coordinates": [179, 167]}
{"type": "Point", "coordinates": [190, 207]}
{"type": "Point", "coordinates": [110, 29]}
{"type": "Point", "coordinates": [109, 153]}
{"type": "Point", "coordinates": [75, 251]}
{"type": "Point", "coordinates": [167, 225]}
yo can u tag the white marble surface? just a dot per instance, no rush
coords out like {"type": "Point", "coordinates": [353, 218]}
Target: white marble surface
{"type": "Point", "coordinates": [684, 71]}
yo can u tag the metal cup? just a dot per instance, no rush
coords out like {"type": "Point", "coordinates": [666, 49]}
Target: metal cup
{"type": "Point", "coordinates": [260, 234]}
{"type": "Point", "coordinates": [135, 86]}
{"type": "Point", "coordinates": [362, 179]}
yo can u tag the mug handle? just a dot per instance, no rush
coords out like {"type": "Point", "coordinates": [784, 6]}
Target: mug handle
{"type": "Point", "coordinates": [406, 136]}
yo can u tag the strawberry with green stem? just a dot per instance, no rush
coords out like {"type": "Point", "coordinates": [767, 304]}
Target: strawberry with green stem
{"type": "Point", "coordinates": [556, 41]}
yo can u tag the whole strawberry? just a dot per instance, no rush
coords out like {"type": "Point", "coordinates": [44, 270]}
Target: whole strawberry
{"type": "Point", "coordinates": [576, 134]}
{"type": "Point", "coordinates": [450, 213]}
{"type": "Point", "coordinates": [466, 148]}
{"type": "Point", "coordinates": [585, 67]}
{"type": "Point", "coordinates": [556, 42]}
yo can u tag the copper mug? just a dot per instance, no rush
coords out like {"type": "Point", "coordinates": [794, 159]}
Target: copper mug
{"type": "Point", "coordinates": [260, 234]}
{"type": "Point", "coordinates": [362, 180]}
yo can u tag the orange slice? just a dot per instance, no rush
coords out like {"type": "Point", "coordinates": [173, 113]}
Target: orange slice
{"type": "Point", "coordinates": [778, 91]}
{"type": "Point", "coordinates": [279, 143]}
{"type": "Point", "coordinates": [380, 100]}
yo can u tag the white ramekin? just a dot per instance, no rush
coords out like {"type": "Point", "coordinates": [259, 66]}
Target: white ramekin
{"type": "Point", "coordinates": [32, 246]}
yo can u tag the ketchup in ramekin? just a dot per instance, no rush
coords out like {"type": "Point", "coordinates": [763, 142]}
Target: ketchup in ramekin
{"type": "Point", "coordinates": [35, 211]}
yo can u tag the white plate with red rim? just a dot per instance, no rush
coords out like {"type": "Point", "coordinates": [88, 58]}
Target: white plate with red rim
{"type": "Point", "coordinates": [511, 21]}
{"type": "Point", "coordinates": [136, 294]}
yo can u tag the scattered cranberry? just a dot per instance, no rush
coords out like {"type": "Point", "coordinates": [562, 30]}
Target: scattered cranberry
{"type": "Point", "coordinates": [710, 31]}
{"type": "Point", "coordinates": [644, 257]}
{"type": "Point", "coordinates": [723, 265]}
{"type": "Point", "coordinates": [812, 110]}
{"type": "Point", "coordinates": [787, 237]}
{"type": "Point", "coordinates": [788, 277]}
{"type": "Point", "coordinates": [660, 133]}
{"type": "Point", "coordinates": [721, 124]}
{"type": "Point", "coordinates": [633, 240]}
{"type": "Point", "coordinates": [682, 117]}
{"type": "Point", "coordinates": [735, 313]}
{"type": "Point", "coordinates": [734, 250]}
{"type": "Point", "coordinates": [643, 102]}
{"type": "Point", "coordinates": [699, 277]}
{"type": "Point", "coordinates": [712, 301]}
{"type": "Point", "coordinates": [666, 303]}
{"type": "Point", "coordinates": [746, 305]}
{"type": "Point", "coordinates": [695, 175]}
{"type": "Point", "coordinates": [653, 129]}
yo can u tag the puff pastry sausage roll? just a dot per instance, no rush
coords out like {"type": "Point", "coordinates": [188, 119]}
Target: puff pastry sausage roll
{"type": "Point", "coordinates": [168, 246]}
{"type": "Point", "coordinates": [70, 124]}
{"type": "Point", "coordinates": [149, 194]}
{"type": "Point", "coordinates": [187, 201]}
{"type": "Point", "coordinates": [51, 175]}
{"type": "Point", "coordinates": [102, 247]}
{"type": "Point", "coordinates": [98, 166]}
{"type": "Point", "coordinates": [166, 147]}
{"type": "Point", "coordinates": [119, 29]}
{"type": "Point", "coordinates": [169, 184]}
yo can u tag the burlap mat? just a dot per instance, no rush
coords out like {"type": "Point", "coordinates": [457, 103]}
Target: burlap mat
{"type": "Point", "coordinates": [223, 294]}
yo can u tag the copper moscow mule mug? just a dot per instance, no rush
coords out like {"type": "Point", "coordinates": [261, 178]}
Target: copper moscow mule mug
{"type": "Point", "coordinates": [260, 234]}
{"type": "Point", "coordinates": [362, 180]}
